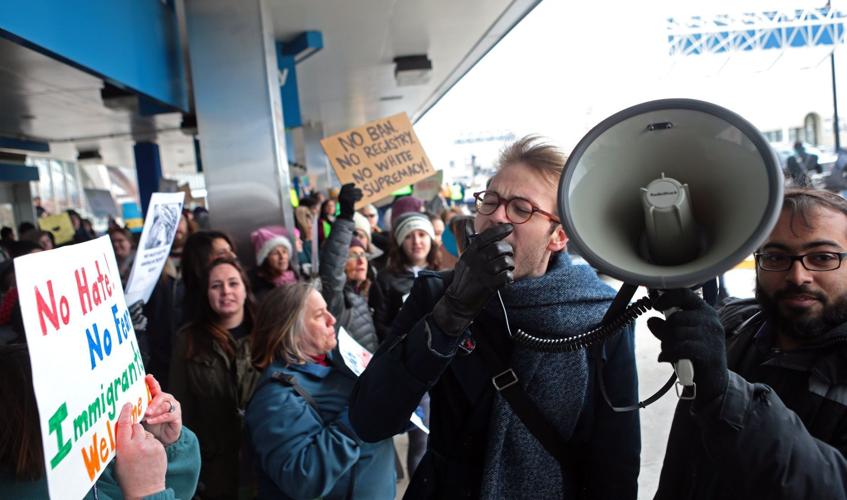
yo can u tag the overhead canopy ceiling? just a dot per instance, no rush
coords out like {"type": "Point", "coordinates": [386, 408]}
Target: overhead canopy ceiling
{"type": "Point", "coordinates": [46, 100]}
{"type": "Point", "coordinates": [349, 82]}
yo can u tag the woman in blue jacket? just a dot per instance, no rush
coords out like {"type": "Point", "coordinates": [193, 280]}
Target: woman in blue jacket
{"type": "Point", "coordinates": [298, 420]}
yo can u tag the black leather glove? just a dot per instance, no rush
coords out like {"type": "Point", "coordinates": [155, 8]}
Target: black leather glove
{"type": "Point", "coordinates": [694, 332]}
{"type": "Point", "coordinates": [136, 314]}
{"type": "Point", "coordinates": [347, 198]}
{"type": "Point", "coordinates": [486, 265]}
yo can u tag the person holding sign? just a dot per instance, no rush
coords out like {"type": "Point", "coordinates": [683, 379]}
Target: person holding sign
{"type": "Point", "coordinates": [337, 256]}
{"type": "Point", "coordinates": [158, 459]}
{"type": "Point", "coordinates": [212, 374]}
{"type": "Point", "coordinates": [297, 420]}
{"type": "Point", "coordinates": [122, 244]}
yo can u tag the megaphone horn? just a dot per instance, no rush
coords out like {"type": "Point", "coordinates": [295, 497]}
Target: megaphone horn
{"type": "Point", "coordinates": [670, 193]}
{"type": "Point", "coordinates": [665, 194]}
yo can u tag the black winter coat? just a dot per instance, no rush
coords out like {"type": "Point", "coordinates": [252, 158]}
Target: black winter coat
{"type": "Point", "coordinates": [387, 296]}
{"type": "Point", "coordinates": [259, 285]}
{"type": "Point", "coordinates": [779, 432]}
{"type": "Point", "coordinates": [408, 365]}
{"type": "Point", "coordinates": [349, 308]}
{"type": "Point", "coordinates": [164, 313]}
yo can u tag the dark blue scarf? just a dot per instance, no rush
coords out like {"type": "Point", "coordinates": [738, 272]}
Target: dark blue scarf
{"type": "Point", "coordinates": [566, 301]}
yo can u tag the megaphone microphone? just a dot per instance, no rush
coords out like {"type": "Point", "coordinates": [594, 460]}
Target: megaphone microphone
{"type": "Point", "coordinates": [665, 194]}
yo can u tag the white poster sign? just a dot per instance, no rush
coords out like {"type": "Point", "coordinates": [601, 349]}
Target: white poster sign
{"type": "Point", "coordinates": [85, 359]}
{"type": "Point", "coordinates": [357, 358]}
{"type": "Point", "coordinates": [160, 227]}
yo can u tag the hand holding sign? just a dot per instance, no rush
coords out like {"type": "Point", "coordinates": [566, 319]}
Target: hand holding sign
{"type": "Point", "coordinates": [163, 417]}
{"type": "Point", "coordinates": [86, 362]}
{"type": "Point", "coordinates": [141, 460]}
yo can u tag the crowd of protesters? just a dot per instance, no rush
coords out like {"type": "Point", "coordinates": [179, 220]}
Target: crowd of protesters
{"type": "Point", "coordinates": [242, 347]}
{"type": "Point", "coordinates": [250, 352]}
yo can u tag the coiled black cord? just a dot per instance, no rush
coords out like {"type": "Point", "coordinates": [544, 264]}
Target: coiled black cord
{"type": "Point", "coordinates": [570, 344]}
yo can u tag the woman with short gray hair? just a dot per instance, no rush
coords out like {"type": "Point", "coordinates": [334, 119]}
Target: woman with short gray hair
{"type": "Point", "coordinates": [298, 419]}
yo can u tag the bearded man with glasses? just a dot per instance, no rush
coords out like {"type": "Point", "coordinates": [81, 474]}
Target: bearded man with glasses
{"type": "Point", "coordinates": [770, 416]}
{"type": "Point", "coordinates": [505, 421]}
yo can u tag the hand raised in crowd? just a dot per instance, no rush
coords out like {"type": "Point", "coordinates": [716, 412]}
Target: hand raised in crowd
{"type": "Point", "coordinates": [141, 461]}
{"type": "Point", "coordinates": [695, 333]}
{"type": "Point", "coordinates": [163, 417]}
{"type": "Point", "coordinates": [347, 198]}
{"type": "Point", "coordinates": [486, 265]}
{"type": "Point", "coordinates": [136, 314]}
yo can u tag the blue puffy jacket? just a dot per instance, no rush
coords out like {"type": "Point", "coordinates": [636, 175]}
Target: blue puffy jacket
{"type": "Point", "coordinates": [307, 453]}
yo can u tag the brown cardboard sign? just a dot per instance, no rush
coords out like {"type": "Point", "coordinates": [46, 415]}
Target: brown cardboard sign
{"type": "Point", "coordinates": [380, 157]}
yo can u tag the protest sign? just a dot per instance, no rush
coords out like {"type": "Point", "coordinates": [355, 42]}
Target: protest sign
{"type": "Point", "coordinates": [380, 157]}
{"type": "Point", "coordinates": [160, 227]}
{"type": "Point", "coordinates": [85, 359]}
{"type": "Point", "coordinates": [429, 188]}
{"type": "Point", "coordinates": [60, 225]}
{"type": "Point", "coordinates": [356, 358]}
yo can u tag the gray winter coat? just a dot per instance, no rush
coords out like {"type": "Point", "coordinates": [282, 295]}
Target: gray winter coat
{"type": "Point", "coordinates": [349, 308]}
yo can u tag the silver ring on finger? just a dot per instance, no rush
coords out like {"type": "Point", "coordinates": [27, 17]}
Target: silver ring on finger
{"type": "Point", "coordinates": [171, 407]}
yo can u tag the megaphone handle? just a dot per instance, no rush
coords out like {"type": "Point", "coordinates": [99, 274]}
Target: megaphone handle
{"type": "Point", "coordinates": [684, 371]}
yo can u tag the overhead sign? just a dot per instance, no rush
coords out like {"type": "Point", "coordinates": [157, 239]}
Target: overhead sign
{"type": "Point", "coordinates": [160, 227]}
{"type": "Point", "coordinates": [85, 359]}
{"type": "Point", "coordinates": [380, 157]}
{"type": "Point", "coordinates": [60, 225]}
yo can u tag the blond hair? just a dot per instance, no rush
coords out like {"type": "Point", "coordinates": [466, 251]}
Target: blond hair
{"type": "Point", "coordinates": [534, 152]}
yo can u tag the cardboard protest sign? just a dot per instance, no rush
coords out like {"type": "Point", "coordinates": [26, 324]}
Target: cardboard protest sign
{"type": "Point", "coordinates": [356, 358]}
{"type": "Point", "coordinates": [160, 227]}
{"type": "Point", "coordinates": [60, 225]}
{"type": "Point", "coordinates": [429, 188]}
{"type": "Point", "coordinates": [85, 359]}
{"type": "Point", "coordinates": [380, 157]}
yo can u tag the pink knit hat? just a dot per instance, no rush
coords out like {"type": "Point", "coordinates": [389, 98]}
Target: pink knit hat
{"type": "Point", "coordinates": [266, 239]}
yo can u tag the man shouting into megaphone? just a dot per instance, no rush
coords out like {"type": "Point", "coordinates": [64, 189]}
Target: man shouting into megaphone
{"type": "Point", "coordinates": [769, 418]}
{"type": "Point", "coordinates": [507, 422]}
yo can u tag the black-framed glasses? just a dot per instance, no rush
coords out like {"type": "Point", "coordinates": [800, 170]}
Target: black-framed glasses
{"type": "Point", "coordinates": [518, 210]}
{"type": "Point", "coordinates": [813, 261]}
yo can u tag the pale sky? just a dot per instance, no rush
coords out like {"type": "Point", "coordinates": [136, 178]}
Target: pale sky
{"type": "Point", "coordinates": [569, 65]}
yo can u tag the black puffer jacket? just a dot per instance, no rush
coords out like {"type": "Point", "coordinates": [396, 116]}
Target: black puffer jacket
{"type": "Point", "coordinates": [779, 432]}
{"type": "Point", "coordinates": [349, 308]}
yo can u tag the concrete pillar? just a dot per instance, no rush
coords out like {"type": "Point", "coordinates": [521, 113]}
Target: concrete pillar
{"type": "Point", "coordinates": [239, 117]}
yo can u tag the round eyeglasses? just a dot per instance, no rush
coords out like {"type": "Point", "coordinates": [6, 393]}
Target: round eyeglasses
{"type": "Point", "coordinates": [518, 210]}
{"type": "Point", "coordinates": [815, 261]}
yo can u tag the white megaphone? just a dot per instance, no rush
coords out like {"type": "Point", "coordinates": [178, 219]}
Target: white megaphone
{"type": "Point", "coordinates": [668, 194]}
